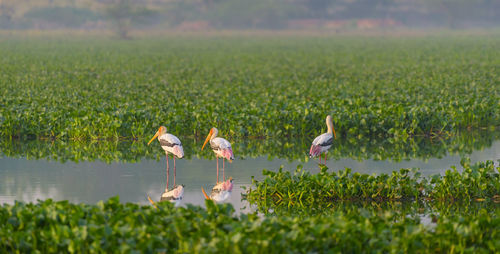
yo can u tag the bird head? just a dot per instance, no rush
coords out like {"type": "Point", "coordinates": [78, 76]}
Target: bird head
{"type": "Point", "coordinates": [212, 132]}
{"type": "Point", "coordinates": [162, 130]}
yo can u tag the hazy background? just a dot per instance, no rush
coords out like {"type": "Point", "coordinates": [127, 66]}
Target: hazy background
{"type": "Point", "coordinates": [123, 16]}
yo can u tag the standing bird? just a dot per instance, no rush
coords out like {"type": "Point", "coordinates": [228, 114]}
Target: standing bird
{"type": "Point", "coordinates": [171, 144]}
{"type": "Point", "coordinates": [221, 148]}
{"type": "Point", "coordinates": [323, 142]}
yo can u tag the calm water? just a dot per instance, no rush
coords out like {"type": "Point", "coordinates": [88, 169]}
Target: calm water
{"type": "Point", "coordinates": [31, 173]}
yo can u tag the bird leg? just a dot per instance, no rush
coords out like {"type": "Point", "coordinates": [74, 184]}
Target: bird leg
{"type": "Point", "coordinates": [168, 169]}
{"type": "Point", "coordinates": [217, 158]}
{"type": "Point", "coordinates": [319, 158]}
{"type": "Point", "coordinates": [325, 158]}
{"type": "Point", "coordinates": [175, 170]}
{"type": "Point", "coordinates": [223, 170]}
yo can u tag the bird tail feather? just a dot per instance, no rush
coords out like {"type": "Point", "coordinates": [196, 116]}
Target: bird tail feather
{"type": "Point", "coordinates": [178, 151]}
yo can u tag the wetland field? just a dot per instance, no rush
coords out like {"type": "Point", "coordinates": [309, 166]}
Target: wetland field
{"type": "Point", "coordinates": [414, 167]}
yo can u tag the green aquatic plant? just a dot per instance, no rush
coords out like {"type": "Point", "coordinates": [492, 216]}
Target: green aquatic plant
{"type": "Point", "coordinates": [111, 226]}
{"type": "Point", "coordinates": [474, 183]}
{"type": "Point", "coordinates": [95, 88]}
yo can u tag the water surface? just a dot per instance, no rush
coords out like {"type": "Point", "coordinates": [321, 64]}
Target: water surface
{"type": "Point", "coordinates": [31, 170]}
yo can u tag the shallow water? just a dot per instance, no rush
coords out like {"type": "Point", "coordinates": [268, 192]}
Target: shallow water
{"type": "Point", "coordinates": [49, 176]}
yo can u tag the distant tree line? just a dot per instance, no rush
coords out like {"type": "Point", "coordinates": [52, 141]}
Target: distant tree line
{"type": "Point", "coordinates": [243, 14]}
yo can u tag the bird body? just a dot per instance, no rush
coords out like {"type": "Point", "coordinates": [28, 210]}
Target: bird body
{"type": "Point", "coordinates": [174, 194]}
{"type": "Point", "coordinates": [323, 142]}
{"type": "Point", "coordinates": [171, 144]}
{"type": "Point", "coordinates": [222, 148]}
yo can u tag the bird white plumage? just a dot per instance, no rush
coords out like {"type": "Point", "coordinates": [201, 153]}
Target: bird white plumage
{"type": "Point", "coordinates": [321, 140]}
{"type": "Point", "coordinates": [176, 149]}
{"type": "Point", "coordinates": [221, 144]}
{"type": "Point", "coordinates": [173, 194]}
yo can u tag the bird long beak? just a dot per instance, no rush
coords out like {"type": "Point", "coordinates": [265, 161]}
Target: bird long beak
{"type": "Point", "coordinates": [207, 139]}
{"type": "Point", "coordinates": [334, 135]}
{"type": "Point", "coordinates": [205, 194]}
{"type": "Point", "coordinates": [156, 135]}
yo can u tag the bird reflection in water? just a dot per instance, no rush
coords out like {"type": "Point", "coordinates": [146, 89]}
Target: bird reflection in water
{"type": "Point", "coordinates": [173, 195]}
{"type": "Point", "coordinates": [221, 191]}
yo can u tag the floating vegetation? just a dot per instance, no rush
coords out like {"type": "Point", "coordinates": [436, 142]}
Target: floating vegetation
{"type": "Point", "coordinates": [111, 226]}
{"type": "Point", "coordinates": [252, 87]}
{"type": "Point", "coordinates": [479, 182]}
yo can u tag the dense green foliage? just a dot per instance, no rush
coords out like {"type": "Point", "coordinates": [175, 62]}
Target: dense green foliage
{"type": "Point", "coordinates": [474, 183]}
{"type": "Point", "coordinates": [259, 86]}
{"type": "Point", "coordinates": [114, 227]}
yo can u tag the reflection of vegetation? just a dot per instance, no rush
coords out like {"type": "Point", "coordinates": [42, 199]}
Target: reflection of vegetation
{"type": "Point", "coordinates": [401, 208]}
{"type": "Point", "coordinates": [372, 148]}
{"type": "Point", "coordinates": [475, 183]}
{"type": "Point", "coordinates": [64, 227]}
{"type": "Point", "coordinates": [76, 151]}
{"type": "Point", "coordinates": [291, 149]}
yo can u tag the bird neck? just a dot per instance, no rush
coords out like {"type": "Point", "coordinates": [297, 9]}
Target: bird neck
{"type": "Point", "coordinates": [329, 126]}
{"type": "Point", "coordinates": [214, 135]}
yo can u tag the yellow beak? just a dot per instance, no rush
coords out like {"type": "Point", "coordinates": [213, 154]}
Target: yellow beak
{"type": "Point", "coordinates": [207, 139]}
{"type": "Point", "coordinates": [334, 135]}
{"type": "Point", "coordinates": [156, 135]}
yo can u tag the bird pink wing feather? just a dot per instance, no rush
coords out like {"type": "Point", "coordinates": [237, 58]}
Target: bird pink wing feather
{"type": "Point", "coordinates": [178, 151]}
{"type": "Point", "coordinates": [228, 153]}
{"type": "Point", "coordinates": [227, 185]}
{"type": "Point", "coordinates": [178, 192]}
{"type": "Point", "coordinates": [315, 150]}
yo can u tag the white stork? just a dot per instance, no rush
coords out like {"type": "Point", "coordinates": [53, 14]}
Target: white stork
{"type": "Point", "coordinates": [221, 148]}
{"type": "Point", "coordinates": [171, 144]}
{"type": "Point", "coordinates": [323, 142]}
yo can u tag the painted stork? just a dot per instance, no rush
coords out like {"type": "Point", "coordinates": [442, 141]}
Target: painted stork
{"type": "Point", "coordinates": [323, 142]}
{"type": "Point", "coordinates": [221, 148]}
{"type": "Point", "coordinates": [171, 144]}
{"type": "Point", "coordinates": [221, 191]}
